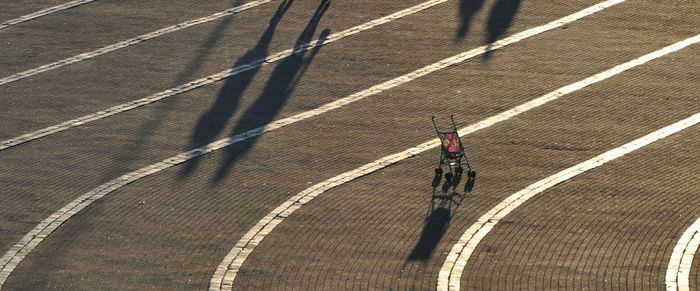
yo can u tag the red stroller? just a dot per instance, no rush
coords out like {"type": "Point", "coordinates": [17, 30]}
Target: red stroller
{"type": "Point", "coordinates": [452, 154]}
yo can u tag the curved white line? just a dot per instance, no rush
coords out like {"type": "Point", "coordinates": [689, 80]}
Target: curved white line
{"type": "Point", "coordinates": [227, 270]}
{"type": "Point", "coordinates": [21, 249]}
{"type": "Point", "coordinates": [213, 78]}
{"type": "Point", "coordinates": [678, 271]}
{"type": "Point", "coordinates": [10, 260]}
{"type": "Point", "coordinates": [128, 42]}
{"type": "Point", "coordinates": [43, 12]}
{"type": "Point", "coordinates": [451, 271]}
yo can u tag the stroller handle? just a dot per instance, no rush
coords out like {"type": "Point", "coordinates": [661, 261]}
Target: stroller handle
{"type": "Point", "coordinates": [454, 126]}
{"type": "Point", "coordinates": [452, 118]}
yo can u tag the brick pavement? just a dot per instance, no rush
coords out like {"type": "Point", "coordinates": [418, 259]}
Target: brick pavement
{"type": "Point", "coordinates": [360, 235]}
{"type": "Point", "coordinates": [15, 12]}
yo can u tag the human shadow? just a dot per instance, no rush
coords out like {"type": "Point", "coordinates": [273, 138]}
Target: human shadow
{"type": "Point", "coordinates": [212, 122]}
{"type": "Point", "coordinates": [438, 219]}
{"type": "Point", "coordinates": [500, 19]}
{"type": "Point", "coordinates": [163, 109]}
{"type": "Point", "coordinates": [279, 88]}
{"type": "Point", "coordinates": [467, 11]}
{"type": "Point", "coordinates": [194, 65]}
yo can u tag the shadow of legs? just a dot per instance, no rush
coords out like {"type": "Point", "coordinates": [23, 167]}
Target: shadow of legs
{"type": "Point", "coordinates": [467, 10]}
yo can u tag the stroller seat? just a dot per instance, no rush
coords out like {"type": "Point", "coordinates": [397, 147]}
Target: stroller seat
{"type": "Point", "coordinates": [452, 152]}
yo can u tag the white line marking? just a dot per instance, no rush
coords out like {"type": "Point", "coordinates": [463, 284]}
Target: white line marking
{"type": "Point", "coordinates": [213, 78]}
{"type": "Point", "coordinates": [451, 271]}
{"type": "Point", "coordinates": [227, 270]}
{"type": "Point", "coordinates": [24, 246]}
{"type": "Point", "coordinates": [678, 271]}
{"type": "Point", "coordinates": [43, 12]}
{"type": "Point", "coordinates": [449, 276]}
{"type": "Point", "coordinates": [128, 42]}
{"type": "Point", "coordinates": [10, 260]}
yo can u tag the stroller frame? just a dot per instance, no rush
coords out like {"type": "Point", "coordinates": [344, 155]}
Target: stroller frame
{"type": "Point", "coordinates": [452, 153]}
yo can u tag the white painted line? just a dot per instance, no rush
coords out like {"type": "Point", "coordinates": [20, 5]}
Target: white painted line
{"type": "Point", "coordinates": [451, 271]}
{"type": "Point", "coordinates": [128, 42]}
{"type": "Point", "coordinates": [213, 78]}
{"type": "Point", "coordinates": [679, 266]}
{"type": "Point", "coordinates": [226, 272]}
{"type": "Point", "coordinates": [43, 12]}
{"type": "Point", "coordinates": [24, 246]}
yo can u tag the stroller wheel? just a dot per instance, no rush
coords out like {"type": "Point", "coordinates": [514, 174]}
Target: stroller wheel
{"type": "Point", "coordinates": [449, 176]}
{"type": "Point", "coordinates": [438, 171]}
{"type": "Point", "coordinates": [472, 174]}
{"type": "Point", "coordinates": [459, 170]}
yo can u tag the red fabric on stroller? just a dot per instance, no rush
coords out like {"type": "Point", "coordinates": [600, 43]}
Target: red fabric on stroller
{"type": "Point", "coordinates": [450, 143]}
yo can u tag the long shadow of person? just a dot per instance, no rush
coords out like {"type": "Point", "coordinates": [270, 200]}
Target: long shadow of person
{"type": "Point", "coordinates": [280, 86]}
{"type": "Point", "coordinates": [205, 50]}
{"type": "Point", "coordinates": [214, 120]}
{"type": "Point", "coordinates": [501, 18]}
{"type": "Point", "coordinates": [467, 10]}
{"type": "Point", "coordinates": [162, 110]}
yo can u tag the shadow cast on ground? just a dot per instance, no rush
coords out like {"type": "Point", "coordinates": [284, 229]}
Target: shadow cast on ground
{"type": "Point", "coordinates": [501, 17]}
{"type": "Point", "coordinates": [279, 88]}
{"type": "Point", "coordinates": [211, 123]}
{"type": "Point", "coordinates": [438, 217]}
{"type": "Point", "coordinates": [125, 157]}
{"type": "Point", "coordinates": [467, 11]}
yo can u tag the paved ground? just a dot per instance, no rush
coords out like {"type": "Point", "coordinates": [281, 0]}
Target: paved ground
{"type": "Point", "coordinates": [612, 228]}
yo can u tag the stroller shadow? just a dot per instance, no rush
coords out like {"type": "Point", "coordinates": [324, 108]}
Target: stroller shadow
{"type": "Point", "coordinates": [443, 203]}
{"type": "Point", "coordinates": [469, 185]}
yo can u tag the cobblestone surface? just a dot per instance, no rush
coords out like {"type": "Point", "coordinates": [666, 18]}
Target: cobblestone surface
{"type": "Point", "coordinates": [611, 228]}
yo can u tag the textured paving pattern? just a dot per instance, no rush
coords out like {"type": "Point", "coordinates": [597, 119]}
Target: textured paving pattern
{"type": "Point", "coordinates": [611, 228]}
